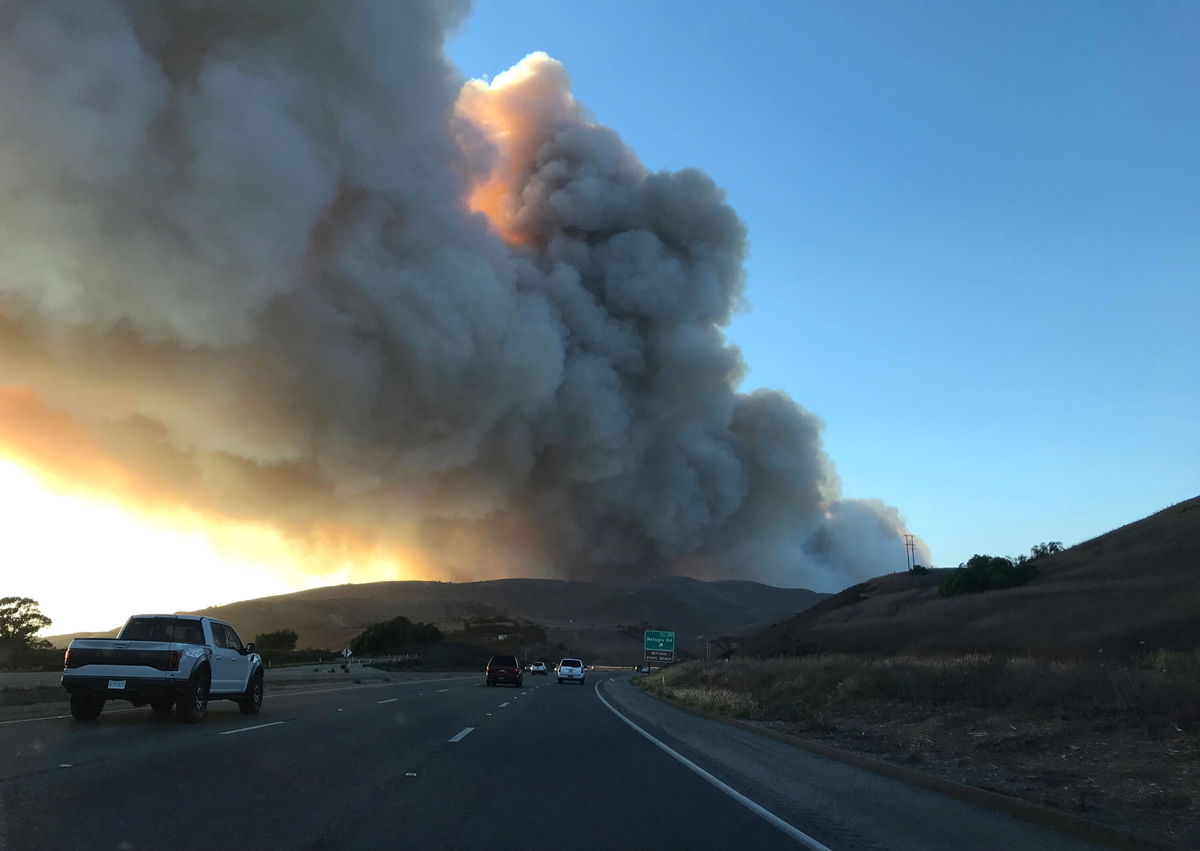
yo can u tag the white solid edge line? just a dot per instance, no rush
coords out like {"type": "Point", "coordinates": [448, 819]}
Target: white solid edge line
{"type": "Point", "coordinates": [759, 810]}
{"type": "Point", "coordinates": [248, 729]}
{"type": "Point", "coordinates": [461, 734]}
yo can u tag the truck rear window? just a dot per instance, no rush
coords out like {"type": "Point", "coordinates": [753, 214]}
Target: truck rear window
{"type": "Point", "coordinates": [570, 663]}
{"type": "Point", "coordinates": [163, 629]}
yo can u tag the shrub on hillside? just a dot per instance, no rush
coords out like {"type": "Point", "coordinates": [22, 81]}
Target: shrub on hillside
{"type": "Point", "coordinates": [393, 636]}
{"type": "Point", "coordinates": [280, 639]}
{"type": "Point", "coordinates": [987, 573]}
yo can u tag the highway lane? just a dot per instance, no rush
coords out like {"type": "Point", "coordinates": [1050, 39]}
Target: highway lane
{"type": "Point", "coordinates": [452, 764]}
{"type": "Point", "coordinates": [346, 770]}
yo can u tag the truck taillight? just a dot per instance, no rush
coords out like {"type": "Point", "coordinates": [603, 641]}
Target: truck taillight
{"type": "Point", "coordinates": [172, 660]}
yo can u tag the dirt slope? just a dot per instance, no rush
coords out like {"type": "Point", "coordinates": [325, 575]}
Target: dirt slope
{"type": "Point", "coordinates": [1135, 588]}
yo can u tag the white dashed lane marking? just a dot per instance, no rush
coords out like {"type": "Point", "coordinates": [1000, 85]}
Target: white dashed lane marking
{"type": "Point", "coordinates": [248, 729]}
{"type": "Point", "coordinates": [461, 734]}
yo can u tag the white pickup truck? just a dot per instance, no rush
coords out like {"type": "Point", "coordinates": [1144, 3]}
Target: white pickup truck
{"type": "Point", "coordinates": [180, 661]}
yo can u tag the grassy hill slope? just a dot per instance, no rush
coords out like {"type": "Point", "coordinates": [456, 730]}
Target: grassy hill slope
{"type": "Point", "coordinates": [1136, 588]}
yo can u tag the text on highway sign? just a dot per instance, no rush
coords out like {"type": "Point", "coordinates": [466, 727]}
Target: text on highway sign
{"type": "Point", "coordinates": [657, 639]}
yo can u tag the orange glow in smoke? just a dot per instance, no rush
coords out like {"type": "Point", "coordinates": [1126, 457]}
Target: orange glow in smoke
{"type": "Point", "coordinates": [515, 112]}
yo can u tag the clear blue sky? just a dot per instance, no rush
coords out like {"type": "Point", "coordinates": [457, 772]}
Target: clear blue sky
{"type": "Point", "coordinates": [975, 232]}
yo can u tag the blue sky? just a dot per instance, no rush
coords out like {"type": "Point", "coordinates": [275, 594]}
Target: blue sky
{"type": "Point", "coordinates": [975, 232]}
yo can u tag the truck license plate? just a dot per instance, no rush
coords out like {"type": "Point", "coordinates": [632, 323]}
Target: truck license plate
{"type": "Point", "coordinates": [116, 684]}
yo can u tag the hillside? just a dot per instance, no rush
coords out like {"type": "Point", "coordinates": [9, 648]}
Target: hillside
{"type": "Point", "coordinates": [1135, 588]}
{"type": "Point", "coordinates": [587, 617]}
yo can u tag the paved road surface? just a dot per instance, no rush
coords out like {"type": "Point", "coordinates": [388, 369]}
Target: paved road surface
{"type": "Point", "coordinates": [451, 764]}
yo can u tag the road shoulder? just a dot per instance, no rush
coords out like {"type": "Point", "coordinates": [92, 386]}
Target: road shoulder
{"type": "Point", "coordinates": [839, 804]}
{"type": "Point", "coordinates": [1006, 805]}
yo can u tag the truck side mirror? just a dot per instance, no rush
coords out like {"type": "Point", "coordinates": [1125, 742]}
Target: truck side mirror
{"type": "Point", "coordinates": [249, 648]}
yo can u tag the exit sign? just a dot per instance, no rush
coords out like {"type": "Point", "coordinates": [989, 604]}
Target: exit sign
{"type": "Point", "coordinates": [656, 639]}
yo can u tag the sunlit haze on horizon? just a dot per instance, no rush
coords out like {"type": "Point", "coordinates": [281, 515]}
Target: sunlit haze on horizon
{"type": "Point", "coordinates": [312, 301]}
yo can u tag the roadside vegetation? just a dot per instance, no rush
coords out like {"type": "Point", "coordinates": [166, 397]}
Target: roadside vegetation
{"type": "Point", "coordinates": [21, 619]}
{"type": "Point", "coordinates": [1114, 740]}
{"type": "Point", "coordinates": [807, 690]}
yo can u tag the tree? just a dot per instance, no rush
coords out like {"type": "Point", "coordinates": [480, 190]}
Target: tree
{"type": "Point", "coordinates": [1047, 549]}
{"type": "Point", "coordinates": [20, 621]}
{"type": "Point", "coordinates": [393, 636]}
{"type": "Point", "coordinates": [988, 573]}
{"type": "Point", "coordinates": [279, 640]}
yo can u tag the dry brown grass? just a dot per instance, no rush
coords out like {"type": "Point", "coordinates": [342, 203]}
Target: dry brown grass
{"type": "Point", "coordinates": [1163, 686]}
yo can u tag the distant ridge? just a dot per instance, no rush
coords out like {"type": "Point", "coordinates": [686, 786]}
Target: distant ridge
{"type": "Point", "coordinates": [1136, 588]}
{"type": "Point", "coordinates": [598, 616]}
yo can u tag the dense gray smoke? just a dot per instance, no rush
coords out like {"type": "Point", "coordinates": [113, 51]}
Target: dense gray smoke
{"type": "Point", "coordinates": [242, 249]}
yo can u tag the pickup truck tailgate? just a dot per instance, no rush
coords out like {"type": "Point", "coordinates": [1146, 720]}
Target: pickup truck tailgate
{"type": "Point", "coordinates": [160, 655]}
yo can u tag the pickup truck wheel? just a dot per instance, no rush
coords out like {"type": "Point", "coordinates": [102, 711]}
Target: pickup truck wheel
{"type": "Point", "coordinates": [194, 701]}
{"type": "Point", "coordinates": [251, 702]}
{"type": "Point", "coordinates": [86, 706]}
{"type": "Point", "coordinates": [162, 705]}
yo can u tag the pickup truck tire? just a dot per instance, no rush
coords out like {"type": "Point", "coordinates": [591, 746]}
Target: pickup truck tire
{"type": "Point", "coordinates": [162, 705]}
{"type": "Point", "coordinates": [251, 702]}
{"type": "Point", "coordinates": [86, 706]}
{"type": "Point", "coordinates": [193, 701]}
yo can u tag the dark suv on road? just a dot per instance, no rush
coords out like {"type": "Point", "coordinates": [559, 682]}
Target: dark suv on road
{"type": "Point", "coordinates": [504, 669]}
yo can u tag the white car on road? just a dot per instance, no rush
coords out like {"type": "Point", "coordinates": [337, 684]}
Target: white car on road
{"type": "Point", "coordinates": [570, 669]}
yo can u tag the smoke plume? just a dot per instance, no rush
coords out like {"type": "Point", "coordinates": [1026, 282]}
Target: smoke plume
{"type": "Point", "coordinates": [276, 262]}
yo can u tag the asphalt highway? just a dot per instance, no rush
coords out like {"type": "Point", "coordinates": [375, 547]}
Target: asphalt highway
{"type": "Point", "coordinates": [447, 763]}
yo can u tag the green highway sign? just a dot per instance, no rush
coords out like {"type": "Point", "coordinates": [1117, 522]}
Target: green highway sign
{"type": "Point", "coordinates": [657, 639]}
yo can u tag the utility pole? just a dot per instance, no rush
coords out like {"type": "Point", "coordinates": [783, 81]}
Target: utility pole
{"type": "Point", "coordinates": [910, 549]}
